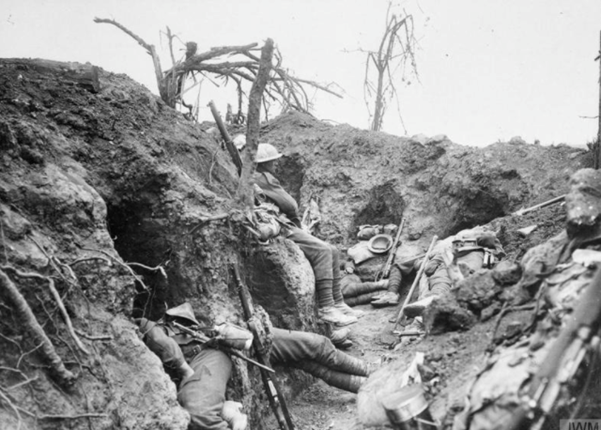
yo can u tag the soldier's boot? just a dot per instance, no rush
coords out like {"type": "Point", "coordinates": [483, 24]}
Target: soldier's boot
{"type": "Point", "coordinates": [417, 308]}
{"type": "Point", "coordinates": [348, 364]}
{"type": "Point", "coordinates": [337, 379]}
{"type": "Point", "coordinates": [363, 299]}
{"type": "Point", "coordinates": [327, 311]}
{"type": "Point", "coordinates": [358, 288]}
{"type": "Point", "coordinates": [389, 298]}
{"type": "Point", "coordinates": [339, 301]}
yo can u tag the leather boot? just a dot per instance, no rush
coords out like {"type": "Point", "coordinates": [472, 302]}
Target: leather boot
{"type": "Point", "coordinates": [347, 310]}
{"type": "Point", "coordinates": [363, 299]}
{"type": "Point", "coordinates": [341, 380]}
{"type": "Point", "coordinates": [336, 317]}
{"type": "Point", "coordinates": [348, 364]}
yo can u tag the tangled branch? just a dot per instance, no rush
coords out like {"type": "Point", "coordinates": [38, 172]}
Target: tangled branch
{"type": "Point", "coordinates": [236, 63]}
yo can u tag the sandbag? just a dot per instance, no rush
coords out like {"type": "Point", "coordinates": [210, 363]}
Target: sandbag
{"type": "Point", "coordinates": [360, 252]}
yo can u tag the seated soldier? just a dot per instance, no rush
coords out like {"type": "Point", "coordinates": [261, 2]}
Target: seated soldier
{"type": "Point", "coordinates": [324, 258]}
{"type": "Point", "coordinates": [205, 371]}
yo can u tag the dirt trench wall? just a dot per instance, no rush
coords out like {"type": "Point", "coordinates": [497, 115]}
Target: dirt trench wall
{"type": "Point", "coordinates": [104, 175]}
{"type": "Point", "coordinates": [360, 177]}
{"type": "Point", "coordinates": [130, 204]}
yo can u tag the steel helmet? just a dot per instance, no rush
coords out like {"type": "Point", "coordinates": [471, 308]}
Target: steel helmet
{"type": "Point", "coordinates": [183, 311]}
{"type": "Point", "coordinates": [380, 243]}
{"type": "Point", "coordinates": [267, 152]}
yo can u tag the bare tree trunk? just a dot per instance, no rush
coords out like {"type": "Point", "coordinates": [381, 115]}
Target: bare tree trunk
{"type": "Point", "coordinates": [244, 194]}
{"type": "Point", "coordinates": [376, 124]}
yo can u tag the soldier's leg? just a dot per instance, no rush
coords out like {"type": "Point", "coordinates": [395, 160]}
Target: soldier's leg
{"type": "Point", "coordinates": [203, 394]}
{"type": "Point", "coordinates": [321, 257]}
{"type": "Point", "coordinates": [344, 381]}
{"type": "Point", "coordinates": [298, 346]}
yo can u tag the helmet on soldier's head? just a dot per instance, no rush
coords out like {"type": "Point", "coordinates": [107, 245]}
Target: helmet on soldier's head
{"type": "Point", "coordinates": [267, 152]}
{"type": "Point", "coordinates": [183, 311]}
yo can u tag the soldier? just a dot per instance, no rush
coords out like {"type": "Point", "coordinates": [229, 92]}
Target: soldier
{"type": "Point", "coordinates": [452, 259]}
{"type": "Point", "coordinates": [324, 258]}
{"type": "Point", "coordinates": [205, 371]}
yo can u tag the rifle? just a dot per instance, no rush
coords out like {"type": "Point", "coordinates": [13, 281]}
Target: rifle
{"type": "Point", "coordinates": [415, 282]}
{"type": "Point", "coordinates": [205, 339]}
{"type": "Point", "coordinates": [276, 400]}
{"type": "Point", "coordinates": [580, 336]}
{"type": "Point", "coordinates": [385, 272]}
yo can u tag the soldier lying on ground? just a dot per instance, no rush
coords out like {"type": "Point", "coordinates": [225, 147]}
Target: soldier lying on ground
{"type": "Point", "coordinates": [451, 259]}
{"type": "Point", "coordinates": [324, 258]}
{"type": "Point", "coordinates": [204, 371]}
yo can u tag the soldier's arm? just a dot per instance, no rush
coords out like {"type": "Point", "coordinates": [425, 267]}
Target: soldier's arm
{"type": "Point", "coordinates": [165, 347]}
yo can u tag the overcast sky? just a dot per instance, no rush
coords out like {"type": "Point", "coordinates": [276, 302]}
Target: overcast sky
{"type": "Point", "coordinates": [489, 70]}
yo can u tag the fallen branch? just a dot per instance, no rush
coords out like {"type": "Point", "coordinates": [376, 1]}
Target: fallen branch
{"type": "Point", "coordinates": [33, 326]}
{"type": "Point", "coordinates": [229, 144]}
{"type": "Point", "coordinates": [57, 299]}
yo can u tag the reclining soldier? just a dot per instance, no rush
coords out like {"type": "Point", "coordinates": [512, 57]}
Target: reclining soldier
{"type": "Point", "coordinates": [205, 371]}
{"type": "Point", "coordinates": [324, 258]}
{"type": "Point", "coordinates": [451, 260]}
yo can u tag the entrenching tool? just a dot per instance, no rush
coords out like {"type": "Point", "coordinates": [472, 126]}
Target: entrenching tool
{"type": "Point", "coordinates": [415, 282]}
{"type": "Point", "coordinates": [385, 272]}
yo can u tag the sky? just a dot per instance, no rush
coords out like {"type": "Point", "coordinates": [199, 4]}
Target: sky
{"type": "Point", "coordinates": [488, 70]}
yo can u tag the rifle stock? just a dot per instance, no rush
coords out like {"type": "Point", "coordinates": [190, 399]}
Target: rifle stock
{"type": "Point", "coordinates": [276, 400]}
{"type": "Point", "coordinates": [385, 272]}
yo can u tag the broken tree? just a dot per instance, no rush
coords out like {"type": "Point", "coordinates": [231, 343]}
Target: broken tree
{"type": "Point", "coordinates": [236, 63]}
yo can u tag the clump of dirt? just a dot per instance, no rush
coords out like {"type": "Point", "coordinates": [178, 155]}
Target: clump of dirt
{"type": "Point", "coordinates": [127, 207]}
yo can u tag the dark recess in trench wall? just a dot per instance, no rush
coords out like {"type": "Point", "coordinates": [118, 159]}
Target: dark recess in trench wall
{"type": "Point", "coordinates": [385, 206]}
{"type": "Point", "coordinates": [291, 173]}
